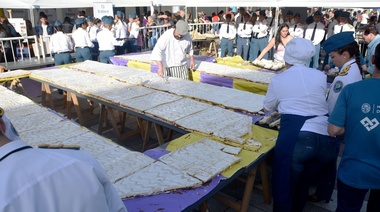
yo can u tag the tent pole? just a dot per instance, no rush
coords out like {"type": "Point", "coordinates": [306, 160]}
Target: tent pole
{"type": "Point", "coordinates": [31, 16]}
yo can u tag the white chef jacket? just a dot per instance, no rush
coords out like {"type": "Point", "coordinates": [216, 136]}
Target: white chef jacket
{"type": "Point", "coordinates": [231, 31]}
{"type": "Point", "coordinates": [261, 28]}
{"type": "Point", "coordinates": [296, 30]}
{"type": "Point", "coordinates": [58, 180]}
{"type": "Point", "coordinates": [170, 51]}
{"type": "Point", "coordinates": [344, 28]}
{"type": "Point", "coordinates": [59, 42]}
{"type": "Point", "coordinates": [81, 38]}
{"type": "Point", "coordinates": [107, 41]}
{"type": "Point", "coordinates": [245, 33]}
{"type": "Point", "coordinates": [341, 81]}
{"type": "Point", "coordinates": [300, 90]}
{"type": "Point", "coordinates": [319, 32]}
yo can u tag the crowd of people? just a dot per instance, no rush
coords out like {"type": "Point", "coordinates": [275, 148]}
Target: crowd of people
{"type": "Point", "coordinates": [252, 31]}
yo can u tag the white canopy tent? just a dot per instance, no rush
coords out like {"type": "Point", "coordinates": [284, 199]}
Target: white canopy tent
{"type": "Point", "coordinates": [285, 3]}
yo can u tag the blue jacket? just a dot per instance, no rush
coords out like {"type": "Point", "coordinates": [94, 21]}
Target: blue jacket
{"type": "Point", "coordinates": [39, 30]}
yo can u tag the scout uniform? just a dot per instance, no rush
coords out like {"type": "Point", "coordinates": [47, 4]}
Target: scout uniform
{"type": "Point", "coordinates": [259, 38]}
{"type": "Point", "coordinates": [296, 29]}
{"type": "Point", "coordinates": [93, 30]}
{"type": "Point", "coordinates": [315, 32]}
{"type": "Point", "coordinates": [61, 45]}
{"type": "Point", "coordinates": [107, 42]}
{"type": "Point", "coordinates": [350, 71]}
{"type": "Point", "coordinates": [133, 30]}
{"type": "Point", "coordinates": [82, 42]}
{"type": "Point", "coordinates": [121, 32]}
{"type": "Point", "coordinates": [244, 35]}
{"type": "Point", "coordinates": [227, 36]}
{"type": "Point", "coordinates": [344, 26]}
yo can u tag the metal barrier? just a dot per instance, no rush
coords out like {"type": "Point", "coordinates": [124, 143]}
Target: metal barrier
{"type": "Point", "coordinates": [20, 48]}
{"type": "Point", "coordinates": [17, 48]}
{"type": "Point", "coordinates": [151, 34]}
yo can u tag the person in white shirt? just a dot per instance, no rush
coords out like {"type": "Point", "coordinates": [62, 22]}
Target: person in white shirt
{"type": "Point", "coordinates": [133, 30]}
{"type": "Point", "coordinates": [303, 146]}
{"type": "Point", "coordinates": [61, 45]}
{"type": "Point", "coordinates": [93, 29]}
{"type": "Point", "coordinates": [330, 28]}
{"type": "Point", "coordinates": [58, 180]}
{"type": "Point", "coordinates": [296, 30]}
{"type": "Point", "coordinates": [259, 38]}
{"type": "Point", "coordinates": [170, 52]}
{"type": "Point", "coordinates": [121, 32]}
{"type": "Point", "coordinates": [82, 41]}
{"type": "Point", "coordinates": [227, 34]}
{"type": "Point", "coordinates": [343, 25]}
{"type": "Point", "coordinates": [289, 18]}
{"type": "Point", "coordinates": [107, 41]}
{"type": "Point", "coordinates": [239, 18]}
{"type": "Point", "coordinates": [315, 32]}
{"type": "Point", "coordinates": [365, 19]}
{"type": "Point", "coordinates": [244, 35]}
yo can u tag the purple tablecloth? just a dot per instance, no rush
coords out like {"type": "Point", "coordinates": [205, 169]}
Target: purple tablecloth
{"type": "Point", "coordinates": [174, 201]}
{"type": "Point", "coordinates": [216, 80]}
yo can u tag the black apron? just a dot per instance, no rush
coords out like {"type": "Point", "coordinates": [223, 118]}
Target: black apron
{"type": "Point", "coordinates": [283, 154]}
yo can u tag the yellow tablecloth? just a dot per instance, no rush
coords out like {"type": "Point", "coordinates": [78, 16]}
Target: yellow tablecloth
{"type": "Point", "coordinates": [248, 154]}
{"type": "Point", "coordinates": [237, 62]}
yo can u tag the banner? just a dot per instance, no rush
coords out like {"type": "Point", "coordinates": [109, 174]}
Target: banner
{"type": "Point", "coordinates": [102, 9]}
{"type": "Point", "coordinates": [19, 25]}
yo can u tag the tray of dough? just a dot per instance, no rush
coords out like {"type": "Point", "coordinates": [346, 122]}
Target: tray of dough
{"type": "Point", "coordinates": [91, 142]}
{"type": "Point", "coordinates": [142, 57]}
{"type": "Point", "coordinates": [13, 74]}
{"type": "Point", "coordinates": [172, 83]}
{"type": "Point", "coordinates": [126, 165]}
{"type": "Point", "coordinates": [232, 72]}
{"type": "Point", "coordinates": [121, 93]}
{"type": "Point", "coordinates": [148, 101]}
{"type": "Point", "coordinates": [181, 108]}
{"type": "Point", "coordinates": [55, 133]}
{"type": "Point", "coordinates": [203, 159]}
{"type": "Point", "coordinates": [222, 123]}
{"type": "Point", "coordinates": [153, 179]}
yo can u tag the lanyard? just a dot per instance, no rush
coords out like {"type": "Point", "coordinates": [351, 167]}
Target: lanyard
{"type": "Point", "coordinates": [14, 151]}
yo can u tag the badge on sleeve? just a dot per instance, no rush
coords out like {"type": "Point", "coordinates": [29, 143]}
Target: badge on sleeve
{"type": "Point", "coordinates": [338, 86]}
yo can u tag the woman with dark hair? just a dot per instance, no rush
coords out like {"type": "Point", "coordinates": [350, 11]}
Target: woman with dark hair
{"type": "Point", "coordinates": [5, 47]}
{"type": "Point", "coordinates": [278, 42]}
{"type": "Point", "coordinates": [344, 53]}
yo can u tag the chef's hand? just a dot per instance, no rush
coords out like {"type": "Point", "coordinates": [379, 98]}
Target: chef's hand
{"type": "Point", "coordinates": [327, 68]}
{"type": "Point", "coordinates": [160, 72]}
{"type": "Point", "coordinates": [192, 65]}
